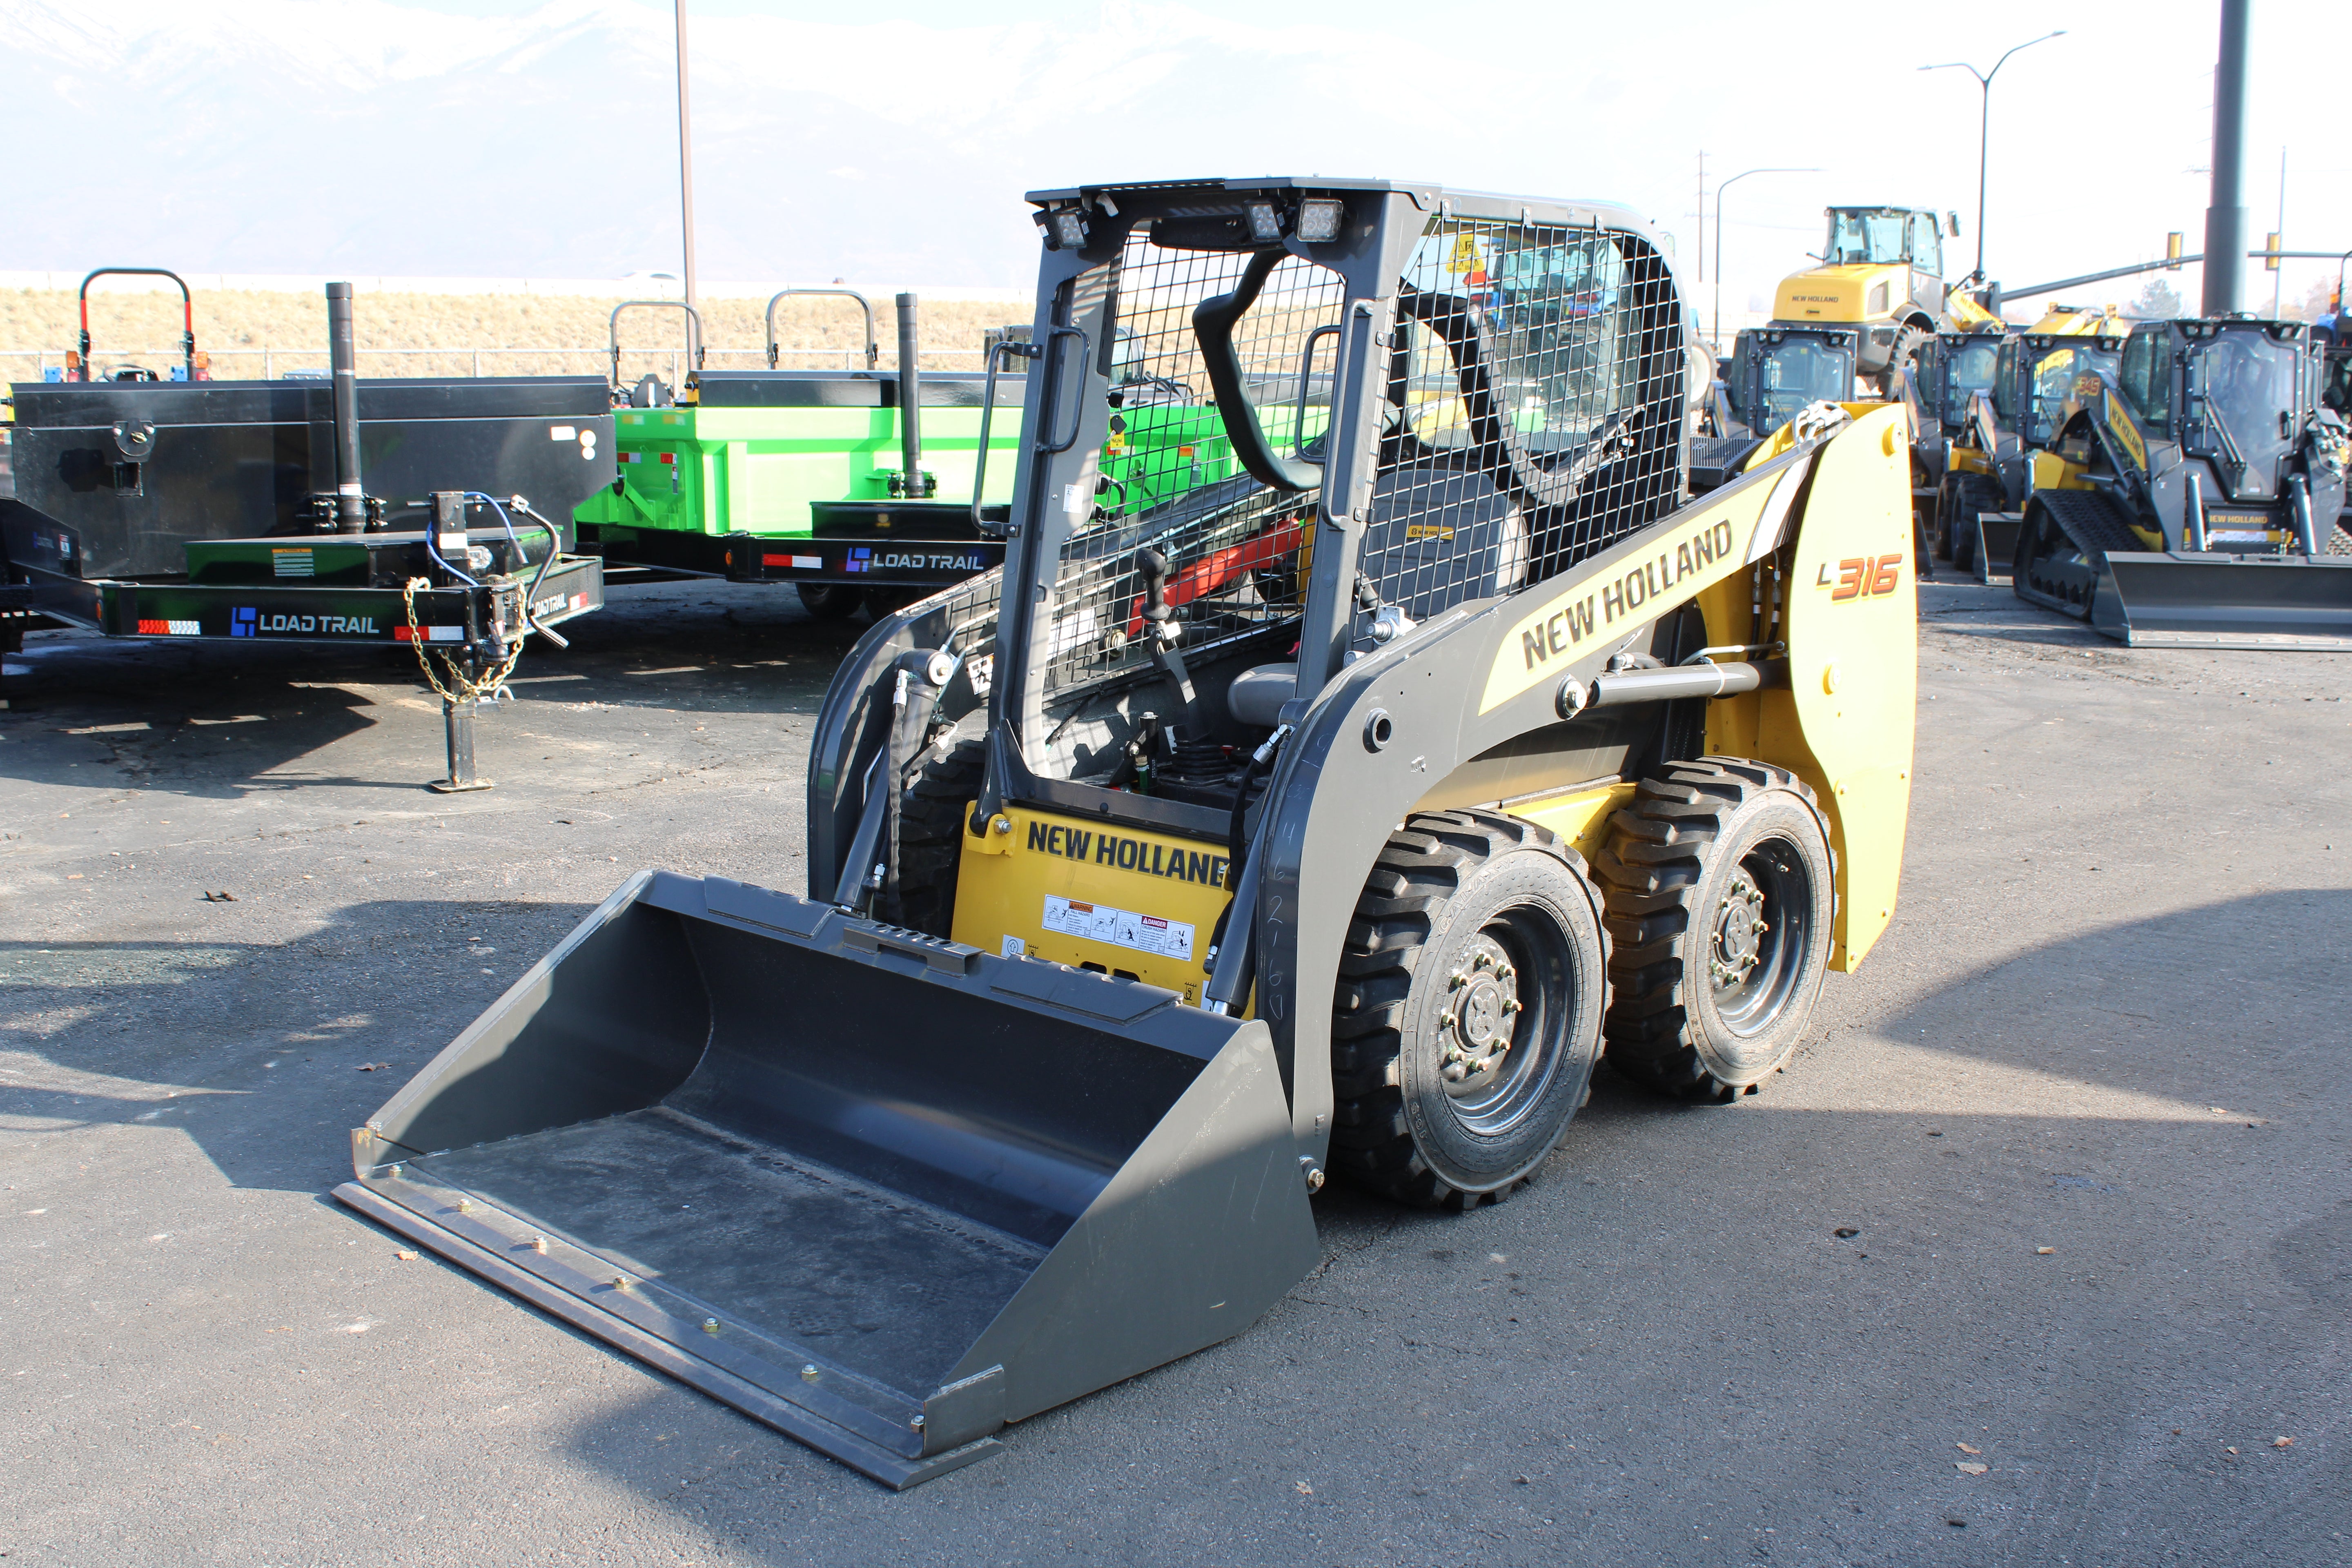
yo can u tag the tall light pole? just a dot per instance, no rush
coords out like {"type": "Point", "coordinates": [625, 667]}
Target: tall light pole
{"type": "Point", "coordinates": [1984, 129]}
{"type": "Point", "coordinates": [685, 155]}
{"type": "Point", "coordinates": [1718, 239]}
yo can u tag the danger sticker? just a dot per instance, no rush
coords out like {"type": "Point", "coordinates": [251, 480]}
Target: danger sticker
{"type": "Point", "coordinates": [1119, 928]}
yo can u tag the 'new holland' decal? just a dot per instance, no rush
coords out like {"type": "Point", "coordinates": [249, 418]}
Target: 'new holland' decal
{"type": "Point", "coordinates": [1625, 589]}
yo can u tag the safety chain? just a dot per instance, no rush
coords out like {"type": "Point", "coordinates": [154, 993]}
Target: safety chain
{"type": "Point", "coordinates": [487, 690]}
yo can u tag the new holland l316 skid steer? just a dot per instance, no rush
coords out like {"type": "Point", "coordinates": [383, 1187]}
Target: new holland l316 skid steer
{"type": "Point", "coordinates": [1333, 816]}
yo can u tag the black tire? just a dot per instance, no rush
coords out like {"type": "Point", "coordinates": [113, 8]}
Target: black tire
{"type": "Point", "coordinates": [883, 603]}
{"type": "Point", "coordinates": [1715, 866]}
{"type": "Point", "coordinates": [1975, 493]}
{"type": "Point", "coordinates": [932, 817]}
{"type": "Point", "coordinates": [2337, 542]}
{"type": "Point", "coordinates": [1947, 509]}
{"type": "Point", "coordinates": [829, 601]}
{"type": "Point", "coordinates": [1476, 949]}
{"type": "Point", "coordinates": [1905, 349]}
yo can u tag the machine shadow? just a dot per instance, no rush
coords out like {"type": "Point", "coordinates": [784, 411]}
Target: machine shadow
{"type": "Point", "coordinates": [264, 1056]}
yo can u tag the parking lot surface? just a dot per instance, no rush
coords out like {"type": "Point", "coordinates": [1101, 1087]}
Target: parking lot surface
{"type": "Point", "coordinates": [2040, 1252]}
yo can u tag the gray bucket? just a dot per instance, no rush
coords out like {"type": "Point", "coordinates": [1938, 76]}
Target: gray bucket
{"type": "Point", "coordinates": [2285, 603]}
{"type": "Point", "coordinates": [881, 1191]}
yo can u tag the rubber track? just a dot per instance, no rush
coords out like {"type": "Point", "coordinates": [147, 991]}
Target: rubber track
{"type": "Point", "coordinates": [1421, 869]}
{"type": "Point", "coordinates": [1657, 853]}
{"type": "Point", "coordinates": [2095, 521]}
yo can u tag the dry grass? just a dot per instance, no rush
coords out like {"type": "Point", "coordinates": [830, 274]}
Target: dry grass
{"type": "Point", "coordinates": [145, 329]}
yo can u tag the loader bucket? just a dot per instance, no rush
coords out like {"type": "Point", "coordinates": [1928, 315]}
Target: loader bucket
{"type": "Point", "coordinates": [881, 1191]}
{"type": "Point", "coordinates": [2286, 604]}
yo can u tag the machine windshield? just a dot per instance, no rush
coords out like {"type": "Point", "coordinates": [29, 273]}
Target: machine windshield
{"type": "Point", "coordinates": [2247, 382]}
{"type": "Point", "coordinates": [1973, 363]}
{"type": "Point", "coordinates": [2065, 380]}
{"type": "Point", "coordinates": [1798, 372]}
{"type": "Point", "coordinates": [1859, 235]}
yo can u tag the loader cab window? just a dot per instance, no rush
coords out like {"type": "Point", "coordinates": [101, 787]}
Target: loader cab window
{"type": "Point", "coordinates": [1969, 365]}
{"type": "Point", "coordinates": [1867, 236]}
{"type": "Point", "coordinates": [2064, 382]}
{"type": "Point", "coordinates": [1927, 243]}
{"type": "Point", "coordinates": [2006, 374]}
{"type": "Point", "coordinates": [2245, 385]}
{"type": "Point", "coordinates": [1796, 373]}
{"type": "Point", "coordinates": [2148, 379]}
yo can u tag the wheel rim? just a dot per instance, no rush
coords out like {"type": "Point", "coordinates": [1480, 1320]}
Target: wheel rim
{"type": "Point", "coordinates": [1762, 931]}
{"type": "Point", "coordinates": [1500, 1023]}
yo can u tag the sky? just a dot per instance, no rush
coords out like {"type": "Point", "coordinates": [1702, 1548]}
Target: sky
{"type": "Point", "coordinates": [890, 142]}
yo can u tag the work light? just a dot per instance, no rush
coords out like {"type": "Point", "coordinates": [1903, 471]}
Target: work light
{"type": "Point", "coordinates": [1318, 220]}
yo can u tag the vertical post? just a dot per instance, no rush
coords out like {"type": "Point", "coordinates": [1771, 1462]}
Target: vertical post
{"type": "Point", "coordinates": [2225, 215]}
{"type": "Point", "coordinates": [2278, 241]}
{"type": "Point", "coordinates": [911, 479]}
{"type": "Point", "coordinates": [466, 666]}
{"type": "Point", "coordinates": [685, 162]}
{"type": "Point", "coordinates": [351, 494]}
{"type": "Point", "coordinates": [457, 732]}
{"type": "Point", "coordinates": [1702, 214]}
{"type": "Point", "coordinates": [1984, 152]}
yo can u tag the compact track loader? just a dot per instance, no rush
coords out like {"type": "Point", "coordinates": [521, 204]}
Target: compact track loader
{"type": "Point", "coordinates": [1333, 817]}
{"type": "Point", "coordinates": [2000, 453]}
{"type": "Point", "coordinates": [2196, 500]}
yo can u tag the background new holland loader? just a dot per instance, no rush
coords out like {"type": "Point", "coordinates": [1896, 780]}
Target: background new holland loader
{"type": "Point", "coordinates": [1334, 816]}
{"type": "Point", "coordinates": [2190, 498]}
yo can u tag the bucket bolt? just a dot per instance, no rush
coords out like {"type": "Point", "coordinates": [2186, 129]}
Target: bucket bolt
{"type": "Point", "coordinates": [1480, 1016]}
{"type": "Point", "coordinates": [1739, 928]}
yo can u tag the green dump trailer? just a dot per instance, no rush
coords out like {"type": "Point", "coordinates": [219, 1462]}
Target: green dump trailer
{"type": "Point", "coordinates": [817, 478]}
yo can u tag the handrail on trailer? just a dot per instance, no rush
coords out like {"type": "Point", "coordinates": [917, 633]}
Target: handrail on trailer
{"type": "Point", "coordinates": [873, 345]}
{"type": "Point", "coordinates": [187, 313]}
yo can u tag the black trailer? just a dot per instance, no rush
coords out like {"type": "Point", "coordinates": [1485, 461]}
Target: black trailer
{"type": "Point", "coordinates": [431, 512]}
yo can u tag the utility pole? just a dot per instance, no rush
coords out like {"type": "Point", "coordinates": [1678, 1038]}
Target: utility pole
{"type": "Point", "coordinates": [2278, 240]}
{"type": "Point", "coordinates": [2225, 215]}
{"type": "Point", "coordinates": [1984, 130]}
{"type": "Point", "coordinates": [1719, 189]}
{"type": "Point", "coordinates": [1702, 214]}
{"type": "Point", "coordinates": [686, 157]}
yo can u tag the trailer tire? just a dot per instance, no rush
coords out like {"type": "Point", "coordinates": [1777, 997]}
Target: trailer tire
{"type": "Point", "coordinates": [829, 601]}
{"type": "Point", "coordinates": [1717, 868]}
{"type": "Point", "coordinates": [930, 835]}
{"type": "Point", "coordinates": [1477, 950]}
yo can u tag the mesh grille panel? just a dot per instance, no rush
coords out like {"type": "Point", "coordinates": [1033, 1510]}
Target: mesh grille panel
{"type": "Point", "coordinates": [1175, 485]}
{"type": "Point", "coordinates": [1533, 398]}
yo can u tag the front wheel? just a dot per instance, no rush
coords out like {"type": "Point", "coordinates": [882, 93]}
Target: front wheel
{"type": "Point", "coordinates": [1468, 1013]}
{"type": "Point", "coordinates": [1719, 883]}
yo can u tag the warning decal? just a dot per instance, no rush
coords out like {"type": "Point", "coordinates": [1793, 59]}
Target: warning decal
{"type": "Point", "coordinates": [1119, 928]}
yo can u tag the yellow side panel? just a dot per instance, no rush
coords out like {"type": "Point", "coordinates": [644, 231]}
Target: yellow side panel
{"type": "Point", "coordinates": [1582, 820]}
{"type": "Point", "coordinates": [1852, 632]}
{"type": "Point", "coordinates": [2052, 472]}
{"type": "Point", "coordinates": [1074, 891]}
{"type": "Point", "coordinates": [1969, 461]}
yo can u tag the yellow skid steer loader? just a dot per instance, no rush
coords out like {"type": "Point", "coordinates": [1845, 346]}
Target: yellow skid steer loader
{"type": "Point", "coordinates": [1334, 815]}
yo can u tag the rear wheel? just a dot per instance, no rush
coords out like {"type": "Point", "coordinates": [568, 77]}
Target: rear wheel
{"type": "Point", "coordinates": [1904, 350]}
{"type": "Point", "coordinates": [883, 603]}
{"type": "Point", "coordinates": [1468, 1012]}
{"type": "Point", "coordinates": [1718, 880]}
{"type": "Point", "coordinates": [828, 601]}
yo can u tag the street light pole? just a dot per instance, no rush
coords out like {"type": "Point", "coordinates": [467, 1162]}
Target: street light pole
{"type": "Point", "coordinates": [1718, 239]}
{"type": "Point", "coordinates": [684, 157]}
{"type": "Point", "coordinates": [1984, 129]}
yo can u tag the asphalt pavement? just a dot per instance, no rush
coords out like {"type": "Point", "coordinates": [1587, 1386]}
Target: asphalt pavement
{"type": "Point", "coordinates": [2040, 1252]}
